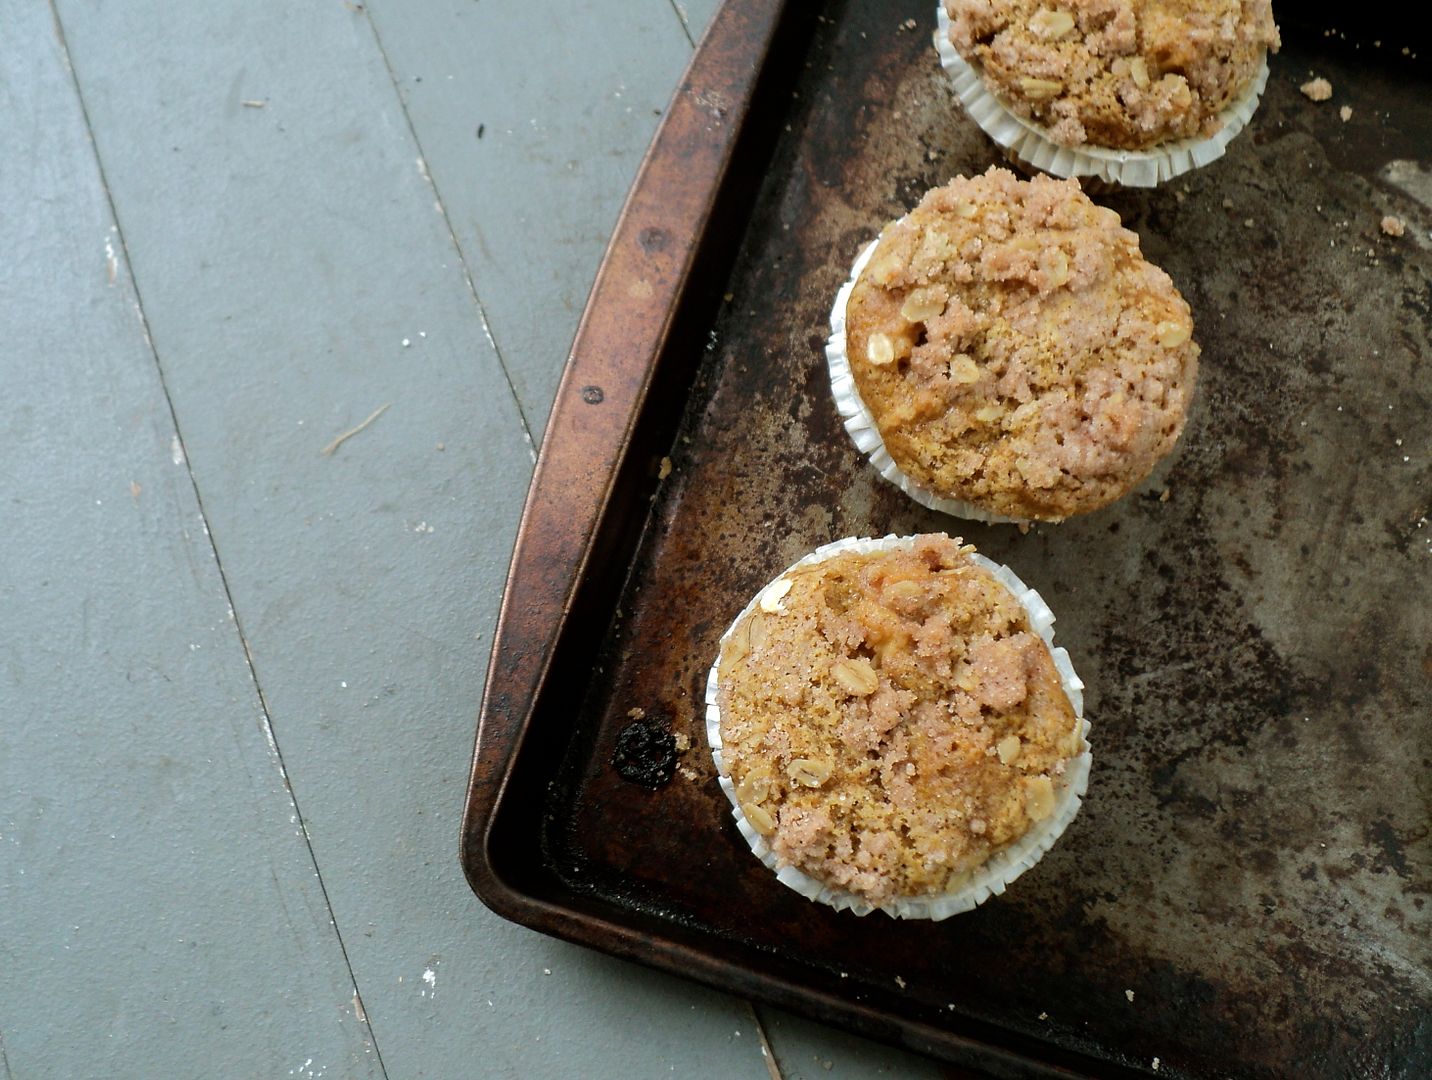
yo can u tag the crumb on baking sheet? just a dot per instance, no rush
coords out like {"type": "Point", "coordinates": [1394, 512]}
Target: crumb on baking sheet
{"type": "Point", "coordinates": [665, 469]}
{"type": "Point", "coordinates": [683, 742]}
{"type": "Point", "coordinates": [1345, 113]}
{"type": "Point", "coordinates": [1318, 89]}
{"type": "Point", "coordinates": [1393, 226]}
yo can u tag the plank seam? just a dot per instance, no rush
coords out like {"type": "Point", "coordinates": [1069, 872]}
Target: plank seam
{"type": "Point", "coordinates": [681, 18]}
{"type": "Point", "coordinates": [5, 1059]}
{"type": "Point", "coordinates": [452, 232]}
{"type": "Point", "coordinates": [265, 715]}
{"type": "Point", "coordinates": [768, 1052]}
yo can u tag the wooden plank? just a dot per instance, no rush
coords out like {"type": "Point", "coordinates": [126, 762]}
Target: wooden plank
{"type": "Point", "coordinates": [533, 118]}
{"type": "Point", "coordinates": [298, 276]}
{"type": "Point", "coordinates": [159, 911]}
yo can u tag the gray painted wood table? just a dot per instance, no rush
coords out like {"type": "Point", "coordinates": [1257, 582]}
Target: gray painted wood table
{"type": "Point", "coordinates": [240, 658]}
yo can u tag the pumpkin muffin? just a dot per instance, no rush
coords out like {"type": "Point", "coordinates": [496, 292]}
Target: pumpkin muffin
{"type": "Point", "coordinates": [893, 728]}
{"type": "Point", "coordinates": [1121, 74]}
{"type": "Point", "coordinates": [1014, 349]}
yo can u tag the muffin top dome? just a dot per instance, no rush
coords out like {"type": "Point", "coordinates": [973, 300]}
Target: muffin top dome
{"type": "Point", "coordinates": [1122, 74]}
{"type": "Point", "coordinates": [1016, 351]}
{"type": "Point", "coordinates": [890, 720]}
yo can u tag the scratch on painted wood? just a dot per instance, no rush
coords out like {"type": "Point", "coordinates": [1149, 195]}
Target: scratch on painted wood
{"type": "Point", "coordinates": [331, 448]}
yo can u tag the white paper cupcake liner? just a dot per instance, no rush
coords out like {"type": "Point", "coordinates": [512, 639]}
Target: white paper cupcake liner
{"type": "Point", "coordinates": [860, 422]}
{"type": "Point", "coordinates": [1004, 866]}
{"type": "Point", "coordinates": [1131, 168]}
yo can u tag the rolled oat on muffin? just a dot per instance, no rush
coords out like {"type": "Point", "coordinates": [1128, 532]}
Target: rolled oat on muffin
{"type": "Point", "coordinates": [1135, 91]}
{"type": "Point", "coordinates": [894, 728]}
{"type": "Point", "coordinates": [1005, 352]}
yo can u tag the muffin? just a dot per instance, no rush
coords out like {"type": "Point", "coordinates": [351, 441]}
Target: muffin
{"type": "Point", "coordinates": [1004, 351]}
{"type": "Point", "coordinates": [894, 727]}
{"type": "Point", "coordinates": [1144, 87]}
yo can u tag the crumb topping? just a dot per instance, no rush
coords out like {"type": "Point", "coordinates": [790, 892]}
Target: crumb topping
{"type": "Point", "coordinates": [895, 723]}
{"type": "Point", "coordinates": [1016, 350]}
{"type": "Point", "coordinates": [1126, 74]}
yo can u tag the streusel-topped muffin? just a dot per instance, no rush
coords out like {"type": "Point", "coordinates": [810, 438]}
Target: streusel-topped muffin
{"type": "Point", "coordinates": [1015, 349]}
{"type": "Point", "coordinates": [890, 720]}
{"type": "Point", "coordinates": [1123, 74]}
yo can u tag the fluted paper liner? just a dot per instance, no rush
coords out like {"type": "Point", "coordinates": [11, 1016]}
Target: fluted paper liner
{"type": "Point", "coordinates": [1131, 168]}
{"type": "Point", "coordinates": [860, 422]}
{"type": "Point", "coordinates": [1005, 865]}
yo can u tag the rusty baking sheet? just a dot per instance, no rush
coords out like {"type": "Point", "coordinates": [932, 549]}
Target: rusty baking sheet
{"type": "Point", "coordinates": [1247, 890]}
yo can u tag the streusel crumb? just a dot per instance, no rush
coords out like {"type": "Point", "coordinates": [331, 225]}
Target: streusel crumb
{"type": "Point", "coordinates": [1016, 350]}
{"type": "Point", "coordinates": [896, 722]}
{"type": "Point", "coordinates": [1126, 74]}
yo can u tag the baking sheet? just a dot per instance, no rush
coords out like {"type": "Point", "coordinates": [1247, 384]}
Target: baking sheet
{"type": "Point", "coordinates": [1245, 891]}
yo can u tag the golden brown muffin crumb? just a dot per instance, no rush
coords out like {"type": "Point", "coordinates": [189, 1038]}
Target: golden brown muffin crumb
{"type": "Point", "coordinates": [1125, 74]}
{"type": "Point", "coordinates": [1393, 226]}
{"type": "Point", "coordinates": [1317, 89]}
{"type": "Point", "coordinates": [894, 722]}
{"type": "Point", "coordinates": [1016, 350]}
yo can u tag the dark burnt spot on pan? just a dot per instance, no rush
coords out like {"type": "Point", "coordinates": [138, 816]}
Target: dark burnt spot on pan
{"type": "Point", "coordinates": [1388, 846]}
{"type": "Point", "coordinates": [653, 239]}
{"type": "Point", "coordinates": [645, 753]}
